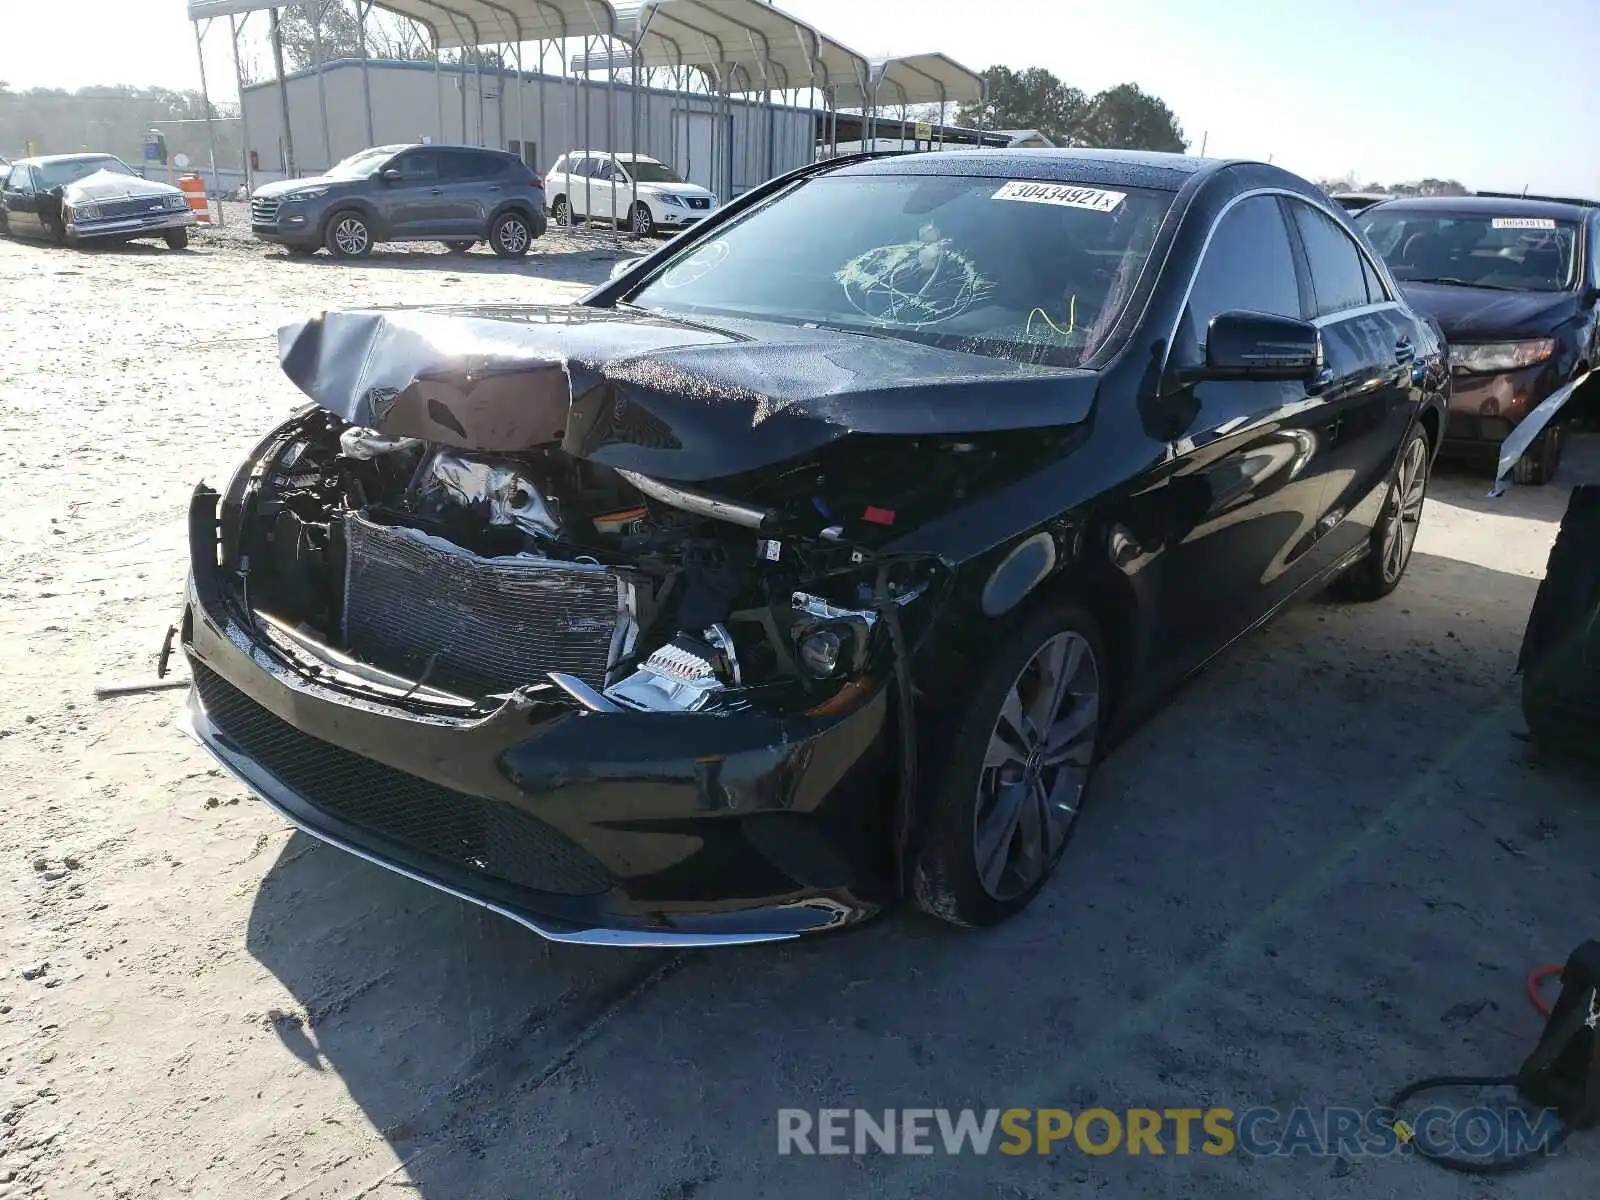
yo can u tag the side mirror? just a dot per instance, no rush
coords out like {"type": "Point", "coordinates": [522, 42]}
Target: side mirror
{"type": "Point", "coordinates": [390, 175]}
{"type": "Point", "coordinates": [1252, 345]}
{"type": "Point", "coordinates": [622, 266]}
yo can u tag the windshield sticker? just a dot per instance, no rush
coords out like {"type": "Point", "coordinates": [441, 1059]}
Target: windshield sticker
{"type": "Point", "coordinates": [1065, 194]}
{"type": "Point", "coordinates": [1522, 223]}
{"type": "Point", "coordinates": [911, 284]}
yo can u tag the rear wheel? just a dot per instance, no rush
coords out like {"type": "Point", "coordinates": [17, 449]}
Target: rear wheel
{"type": "Point", "coordinates": [1395, 534]}
{"type": "Point", "coordinates": [461, 246]}
{"type": "Point", "coordinates": [1008, 788]}
{"type": "Point", "coordinates": [511, 234]}
{"type": "Point", "coordinates": [1542, 458]}
{"type": "Point", "coordinates": [349, 235]}
{"type": "Point", "coordinates": [561, 212]}
{"type": "Point", "coordinates": [1560, 658]}
{"type": "Point", "coordinates": [177, 239]}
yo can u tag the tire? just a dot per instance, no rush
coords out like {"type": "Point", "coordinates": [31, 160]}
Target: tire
{"type": "Point", "coordinates": [642, 223]}
{"type": "Point", "coordinates": [510, 234]}
{"type": "Point", "coordinates": [980, 859]}
{"type": "Point", "coordinates": [1394, 536]}
{"type": "Point", "coordinates": [461, 246]}
{"type": "Point", "coordinates": [177, 239]}
{"type": "Point", "coordinates": [561, 212]}
{"type": "Point", "coordinates": [1560, 659]}
{"type": "Point", "coordinates": [348, 235]}
{"type": "Point", "coordinates": [1541, 460]}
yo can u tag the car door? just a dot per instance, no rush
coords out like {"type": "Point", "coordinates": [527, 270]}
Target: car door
{"type": "Point", "coordinates": [465, 177]}
{"type": "Point", "coordinates": [603, 202]}
{"type": "Point", "coordinates": [413, 205]}
{"type": "Point", "coordinates": [1371, 345]}
{"type": "Point", "coordinates": [582, 185]}
{"type": "Point", "coordinates": [1241, 487]}
{"type": "Point", "coordinates": [21, 199]}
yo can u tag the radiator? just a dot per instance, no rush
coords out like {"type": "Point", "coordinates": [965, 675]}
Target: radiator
{"type": "Point", "coordinates": [419, 605]}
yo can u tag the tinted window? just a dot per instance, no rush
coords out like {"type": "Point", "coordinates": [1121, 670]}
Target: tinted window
{"type": "Point", "coordinates": [17, 181]}
{"type": "Point", "coordinates": [1504, 251]}
{"type": "Point", "coordinates": [418, 166]}
{"type": "Point", "coordinates": [469, 164]}
{"type": "Point", "coordinates": [1248, 266]}
{"type": "Point", "coordinates": [1009, 268]}
{"type": "Point", "coordinates": [1338, 276]}
{"type": "Point", "coordinates": [582, 167]}
{"type": "Point", "coordinates": [604, 169]}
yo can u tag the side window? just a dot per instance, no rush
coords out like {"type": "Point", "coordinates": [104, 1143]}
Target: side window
{"type": "Point", "coordinates": [462, 166]}
{"type": "Point", "coordinates": [1248, 265]}
{"type": "Point", "coordinates": [419, 166]}
{"type": "Point", "coordinates": [604, 169]}
{"type": "Point", "coordinates": [561, 165]}
{"type": "Point", "coordinates": [18, 180]}
{"type": "Point", "coordinates": [583, 167]}
{"type": "Point", "coordinates": [1375, 289]}
{"type": "Point", "coordinates": [1338, 273]}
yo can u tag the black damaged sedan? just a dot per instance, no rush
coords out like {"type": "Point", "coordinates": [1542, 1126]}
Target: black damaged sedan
{"type": "Point", "coordinates": [813, 561]}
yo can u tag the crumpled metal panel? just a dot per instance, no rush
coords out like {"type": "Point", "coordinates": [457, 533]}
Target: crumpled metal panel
{"type": "Point", "coordinates": [498, 492]}
{"type": "Point", "coordinates": [425, 608]}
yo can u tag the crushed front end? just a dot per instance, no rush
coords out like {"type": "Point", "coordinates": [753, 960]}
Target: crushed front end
{"type": "Point", "coordinates": [607, 707]}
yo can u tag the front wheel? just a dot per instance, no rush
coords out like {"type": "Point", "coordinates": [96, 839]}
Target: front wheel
{"type": "Point", "coordinates": [348, 236]}
{"type": "Point", "coordinates": [1395, 534]}
{"type": "Point", "coordinates": [177, 239]}
{"type": "Point", "coordinates": [1542, 458]}
{"type": "Point", "coordinates": [1015, 775]}
{"type": "Point", "coordinates": [510, 235]}
{"type": "Point", "coordinates": [642, 224]}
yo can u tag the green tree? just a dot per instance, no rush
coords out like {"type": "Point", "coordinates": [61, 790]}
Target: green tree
{"type": "Point", "coordinates": [301, 24]}
{"type": "Point", "coordinates": [1031, 99]}
{"type": "Point", "coordinates": [1127, 118]}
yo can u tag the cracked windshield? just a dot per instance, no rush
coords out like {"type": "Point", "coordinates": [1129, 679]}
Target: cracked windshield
{"type": "Point", "coordinates": [1024, 270]}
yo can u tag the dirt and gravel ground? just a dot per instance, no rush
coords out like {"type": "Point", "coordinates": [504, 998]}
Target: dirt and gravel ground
{"type": "Point", "coordinates": [1324, 870]}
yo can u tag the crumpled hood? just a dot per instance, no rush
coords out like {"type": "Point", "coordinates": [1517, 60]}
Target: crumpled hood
{"type": "Point", "coordinates": [113, 185]}
{"type": "Point", "coordinates": [664, 397]}
{"type": "Point", "coordinates": [1469, 314]}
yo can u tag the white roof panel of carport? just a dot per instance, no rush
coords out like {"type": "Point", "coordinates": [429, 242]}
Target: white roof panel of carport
{"type": "Point", "coordinates": [925, 79]}
{"type": "Point", "coordinates": [458, 23]}
{"type": "Point", "coordinates": [768, 46]}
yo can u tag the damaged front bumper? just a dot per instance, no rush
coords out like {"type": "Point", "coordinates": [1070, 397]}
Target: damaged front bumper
{"type": "Point", "coordinates": [606, 828]}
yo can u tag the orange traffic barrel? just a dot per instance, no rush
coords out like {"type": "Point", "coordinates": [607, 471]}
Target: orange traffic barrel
{"type": "Point", "coordinates": [194, 190]}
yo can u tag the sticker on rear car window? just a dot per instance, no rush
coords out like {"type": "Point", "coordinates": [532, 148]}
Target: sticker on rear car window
{"type": "Point", "coordinates": [1066, 194]}
{"type": "Point", "coordinates": [1522, 223]}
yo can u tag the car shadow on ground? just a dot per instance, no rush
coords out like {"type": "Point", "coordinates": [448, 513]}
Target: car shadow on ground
{"type": "Point", "coordinates": [569, 264]}
{"type": "Point", "coordinates": [1292, 884]}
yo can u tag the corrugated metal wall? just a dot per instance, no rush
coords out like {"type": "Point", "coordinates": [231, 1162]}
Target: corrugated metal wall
{"type": "Point", "coordinates": [727, 146]}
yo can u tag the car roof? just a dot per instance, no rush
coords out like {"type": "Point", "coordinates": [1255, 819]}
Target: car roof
{"type": "Point", "coordinates": [625, 155]}
{"type": "Point", "coordinates": [1487, 206]}
{"type": "Point", "coordinates": [1130, 168]}
{"type": "Point", "coordinates": [45, 160]}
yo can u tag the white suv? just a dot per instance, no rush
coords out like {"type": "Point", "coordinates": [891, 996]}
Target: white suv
{"type": "Point", "coordinates": [643, 191]}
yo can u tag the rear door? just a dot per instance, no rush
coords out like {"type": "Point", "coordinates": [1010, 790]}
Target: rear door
{"type": "Point", "coordinates": [1371, 346]}
{"type": "Point", "coordinates": [21, 199]}
{"type": "Point", "coordinates": [604, 185]}
{"type": "Point", "coordinates": [470, 180]}
{"type": "Point", "coordinates": [414, 206]}
{"type": "Point", "coordinates": [583, 187]}
{"type": "Point", "coordinates": [1243, 488]}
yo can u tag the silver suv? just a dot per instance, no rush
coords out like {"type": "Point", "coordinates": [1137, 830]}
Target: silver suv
{"type": "Point", "coordinates": [459, 195]}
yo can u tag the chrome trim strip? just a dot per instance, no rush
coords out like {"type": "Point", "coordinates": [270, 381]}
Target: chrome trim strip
{"type": "Point", "coordinates": [583, 693]}
{"type": "Point", "coordinates": [697, 502]}
{"type": "Point", "coordinates": [1344, 314]}
{"type": "Point", "coordinates": [192, 720]}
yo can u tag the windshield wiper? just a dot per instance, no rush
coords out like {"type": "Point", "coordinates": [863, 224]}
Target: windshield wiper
{"type": "Point", "coordinates": [1454, 282]}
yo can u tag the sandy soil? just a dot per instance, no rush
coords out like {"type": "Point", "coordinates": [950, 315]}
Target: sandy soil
{"type": "Point", "coordinates": [1324, 870]}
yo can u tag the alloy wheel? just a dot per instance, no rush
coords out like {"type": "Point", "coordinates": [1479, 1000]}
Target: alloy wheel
{"type": "Point", "coordinates": [351, 236]}
{"type": "Point", "coordinates": [562, 212]}
{"type": "Point", "coordinates": [1037, 765]}
{"type": "Point", "coordinates": [1403, 513]}
{"type": "Point", "coordinates": [641, 221]}
{"type": "Point", "coordinates": [514, 235]}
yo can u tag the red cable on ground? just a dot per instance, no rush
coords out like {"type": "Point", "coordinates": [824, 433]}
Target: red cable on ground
{"type": "Point", "coordinates": [1536, 978]}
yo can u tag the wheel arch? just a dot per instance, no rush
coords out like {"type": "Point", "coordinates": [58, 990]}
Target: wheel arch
{"type": "Point", "coordinates": [364, 208]}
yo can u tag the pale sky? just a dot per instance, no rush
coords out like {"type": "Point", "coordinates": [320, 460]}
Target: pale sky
{"type": "Point", "coordinates": [1497, 94]}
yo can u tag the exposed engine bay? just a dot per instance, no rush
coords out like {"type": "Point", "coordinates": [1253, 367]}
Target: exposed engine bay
{"type": "Point", "coordinates": [477, 574]}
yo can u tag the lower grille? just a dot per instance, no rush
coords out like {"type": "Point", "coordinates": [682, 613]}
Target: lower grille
{"type": "Point", "coordinates": [483, 836]}
{"type": "Point", "coordinates": [420, 607]}
{"type": "Point", "coordinates": [264, 211]}
{"type": "Point", "coordinates": [699, 202]}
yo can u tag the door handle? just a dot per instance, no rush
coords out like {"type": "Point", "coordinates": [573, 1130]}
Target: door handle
{"type": "Point", "coordinates": [436, 191]}
{"type": "Point", "coordinates": [495, 187]}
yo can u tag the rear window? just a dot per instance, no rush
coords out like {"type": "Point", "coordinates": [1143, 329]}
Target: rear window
{"type": "Point", "coordinates": [1506, 251]}
{"type": "Point", "coordinates": [1035, 271]}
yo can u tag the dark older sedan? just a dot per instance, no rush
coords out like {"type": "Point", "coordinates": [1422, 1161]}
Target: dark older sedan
{"type": "Point", "coordinates": [814, 560]}
{"type": "Point", "coordinates": [73, 199]}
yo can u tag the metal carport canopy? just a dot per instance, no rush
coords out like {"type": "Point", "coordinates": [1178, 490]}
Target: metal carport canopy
{"type": "Point", "coordinates": [770, 48]}
{"type": "Point", "coordinates": [924, 79]}
{"type": "Point", "coordinates": [462, 23]}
